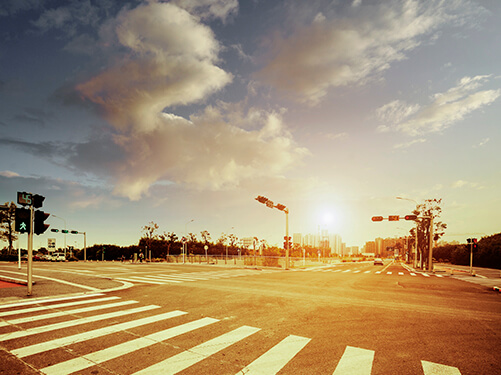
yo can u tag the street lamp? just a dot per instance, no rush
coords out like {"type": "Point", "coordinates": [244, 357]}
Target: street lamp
{"type": "Point", "coordinates": [280, 207]}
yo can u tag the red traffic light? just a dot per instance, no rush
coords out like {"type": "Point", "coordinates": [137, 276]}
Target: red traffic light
{"type": "Point", "coordinates": [393, 218]}
{"type": "Point", "coordinates": [377, 218]}
{"type": "Point", "coordinates": [410, 217]}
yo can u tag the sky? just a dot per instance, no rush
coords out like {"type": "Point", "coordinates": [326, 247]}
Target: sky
{"type": "Point", "coordinates": [182, 112]}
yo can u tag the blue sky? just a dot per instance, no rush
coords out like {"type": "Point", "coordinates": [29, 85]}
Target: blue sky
{"type": "Point", "coordinates": [126, 112]}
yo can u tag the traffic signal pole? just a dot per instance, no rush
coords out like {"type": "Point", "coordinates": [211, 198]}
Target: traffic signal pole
{"type": "Point", "coordinates": [287, 241]}
{"type": "Point", "coordinates": [30, 254]}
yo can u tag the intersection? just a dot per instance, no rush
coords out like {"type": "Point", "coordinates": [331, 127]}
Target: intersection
{"type": "Point", "coordinates": [353, 318]}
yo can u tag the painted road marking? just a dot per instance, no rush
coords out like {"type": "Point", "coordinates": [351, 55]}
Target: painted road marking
{"type": "Point", "coordinates": [188, 358]}
{"type": "Point", "coordinates": [430, 368]}
{"type": "Point", "coordinates": [91, 359]}
{"type": "Point", "coordinates": [355, 361]}
{"type": "Point", "coordinates": [277, 357]}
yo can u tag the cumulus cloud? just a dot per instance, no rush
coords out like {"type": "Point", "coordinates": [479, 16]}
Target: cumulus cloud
{"type": "Point", "coordinates": [164, 56]}
{"type": "Point", "coordinates": [333, 52]}
{"type": "Point", "coordinates": [444, 110]}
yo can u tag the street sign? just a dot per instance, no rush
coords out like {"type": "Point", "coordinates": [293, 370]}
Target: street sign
{"type": "Point", "coordinates": [51, 243]}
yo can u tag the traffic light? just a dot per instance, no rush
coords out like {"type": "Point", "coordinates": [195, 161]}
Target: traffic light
{"type": "Point", "coordinates": [410, 217]}
{"type": "Point", "coordinates": [262, 199]}
{"type": "Point", "coordinates": [39, 226]}
{"type": "Point", "coordinates": [54, 230]}
{"type": "Point", "coordinates": [287, 242]}
{"type": "Point", "coordinates": [23, 220]}
{"type": "Point", "coordinates": [74, 232]}
{"type": "Point", "coordinates": [37, 201]}
{"type": "Point", "coordinates": [281, 207]}
{"type": "Point", "coordinates": [393, 218]}
{"type": "Point", "coordinates": [474, 246]}
{"type": "Point", "coordinates": [24, 198]}
{"type": "Point", "coordinates": [64, 231]}
{"type": "Point", "coordinates": [377, 218]}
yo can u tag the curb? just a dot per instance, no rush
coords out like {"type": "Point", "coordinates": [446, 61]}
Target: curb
{"type": "Point", "coordinates": [15, 281]}
{"type": "Point", "coordinates": [496, 289]}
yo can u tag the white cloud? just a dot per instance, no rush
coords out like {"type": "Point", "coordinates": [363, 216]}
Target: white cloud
{"type": "Point", "coordinates": [333, 52]}
{"type": "Point", "coordinates": [9, 174]}
{"type": "Point", "coordinates": [210, 9]}
{"type": "Point", "coordinates": [410, 143]}
{"type": "Point", "coordinates": [164, 67]}
{"type": "Point", "coordinates": [483, 142]}
{"type": "Point", "coordinates": [217, 149]}
{"type": "Point", "coordinates": [464, 184]}
{"type": "Point", "coordinates": [445, 110]}
{"type": "Point", "coordinates": [207, 152]}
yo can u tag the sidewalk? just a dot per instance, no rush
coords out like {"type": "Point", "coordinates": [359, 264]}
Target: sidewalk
{"type": "Point", "coordinates": [13, 284]}
{"type": "Point", "coordinates": [482, 276]}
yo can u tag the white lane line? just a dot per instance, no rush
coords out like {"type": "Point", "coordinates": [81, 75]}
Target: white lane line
{"type": "Point", "coordinates": [389, 273]}
{"type": "Point", "coordinates": [100, 356]}
{"type": "Point", "coordinates": [412, 274]}
{"type": "Point", "coordinates": [337, 271]}
{"type": "Point", "coordinates": [401, 273]}
{"type": "Point", "coordinates": [277, 357]}
{"type": "Point", "coordinates": [188, 358]}
{"type": "Point", "coordinates": [425, 274]}
{"type": "Point", "coordinates": [378, 272]}
{"type": "Point", "coordinates": [35, 302]}
{"type": "Point", "coordinates": [99, 332]}
{"type": "Point", "coordinates": [346, 271]}
{"type": "Point", "coordinates": [367, 272]}
{"type": "Point", "coordinates": [438, 275]}
{"type": "Point", "coordinates": [356, 271]}
{"type": "Point", "coordinates": [72, 323]}
{"type": "Point", "coordinates": [64, 313]}
{"type": "Point", "coordinates": [430, 368]}
{"type": "Point", "coordinates": [56, 306]}
{"type": "Point", "coordinates": [355, 361]}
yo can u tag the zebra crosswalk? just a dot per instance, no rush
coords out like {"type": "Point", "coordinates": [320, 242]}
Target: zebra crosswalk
{"type": "Point", "coordinates": [177, 278]}
{"type": "Point", "coordinates": [33, 344]}
{"type": "Point", "coordinates": [359, 271]}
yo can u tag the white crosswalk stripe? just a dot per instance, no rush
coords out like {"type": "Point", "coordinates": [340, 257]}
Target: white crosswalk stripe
{"type": "Point", "coordinates": [177, 278]}
{"type": "Point", "coordinates": [270, 358]}
{"type": "Point", "coordinates": [277, 357]}
{"type": "Point", "coordinates": [358, 271]}
{"type": "Point", "coordinates": [355, 361]}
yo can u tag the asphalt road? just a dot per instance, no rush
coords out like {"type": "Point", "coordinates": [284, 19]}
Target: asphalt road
{"type": "Point", "coordinates": [348, 319]}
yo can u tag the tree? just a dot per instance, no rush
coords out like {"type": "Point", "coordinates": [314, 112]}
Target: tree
{"type": "Point", "coordinates": [149, 233]}
{"type": "Point", "coordinates": [431, 208]}
{"type": "Point", "coordinates": [7, 229]}
{"type": "Point", "coordinates": [171, 238]}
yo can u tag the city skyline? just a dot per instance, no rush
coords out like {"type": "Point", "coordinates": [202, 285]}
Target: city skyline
{"type": "Point", "coordinates": [183, 112]}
